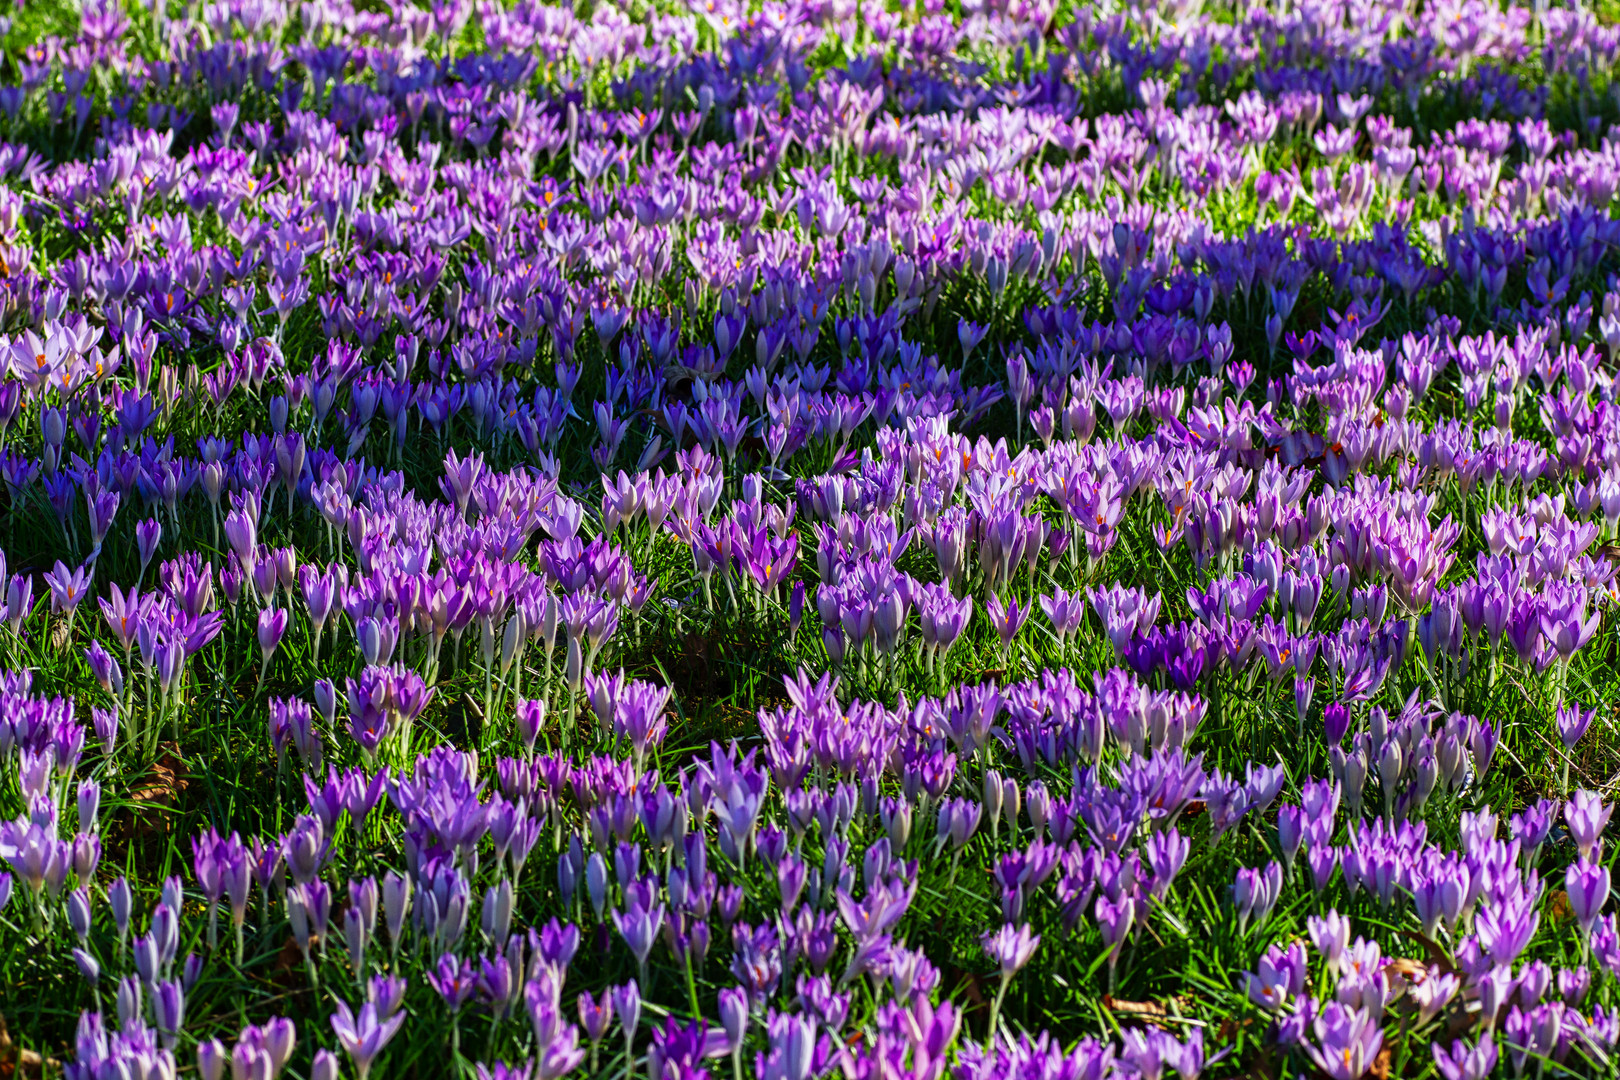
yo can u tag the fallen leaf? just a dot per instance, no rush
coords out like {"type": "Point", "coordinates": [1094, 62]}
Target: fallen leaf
{"type": "Point", "coordinates": [162, 783]}
{"type": "Point", "coordinates": [1134, 1008]}
{"type": "Point", "coordinates": [1147, 1011]}
{"type": "Point", "coordinates": [1380, 1067]}
{"type": "Point", "coordinates": [1413, 971]}
{"type": "Point", "coordinates": [20, 1061]}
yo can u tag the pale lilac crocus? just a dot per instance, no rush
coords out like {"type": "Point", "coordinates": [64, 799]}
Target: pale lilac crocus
{"type": "Point", "coordinates": [1011, 948]}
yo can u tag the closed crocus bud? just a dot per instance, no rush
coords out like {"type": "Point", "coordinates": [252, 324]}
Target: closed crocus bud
{"type": "Point", "coordinates": [1336, 718]}
{"type": "Point", "coordinates": [992, 799]}
{"type": "Point", "coordinates": [128, 999]}
{"type": "Point", "coordinates": [568, 871]}
{"type": "Point", "coordinates": [86, 855]}
{"type": "Point", "coordinates": [734, 1016]}
{"type": "Point", "coordinates": [396, 898]}
{"type": "Point", "coordinates": [326, 700]}
{"type": "Point", "coordinates": [1391, 763]}
{"type": "Point", "coordinates": [122, 901]}
{"type": "Point", "coordinates": [1039, 805]}
{"type": "Point", "coordinates": [280, 1037]}
{"type": "Point", "coordinates": [531, 718]}
{"type": "Point", "coordinates": [1010, 801]}
{"type": "Point", "coordinates": [272, 625]}
{"type": "Point", "coordinates": [627, 1003]}
{"type": "Point", "coordinates": [896, 815]}
{"type": "Point", "coordinates": [832, 638]}
{"type": "Point", "coordinates": [496, 918]}
{"type": "Point", "coordinates": [89, 967]}
{"type": "Point", "coordinates": [796, 609]}
{"type": "Point", "coordinates": [1290, 832]}
{"type": "Point", "coordinates": [89, 803]}
{"type": "Point", "coordinates": [596, 877]}
{"type": "Point", "coordinates": [325, 1067]}
{"type": "Point", "coordinates": [211, 1060]}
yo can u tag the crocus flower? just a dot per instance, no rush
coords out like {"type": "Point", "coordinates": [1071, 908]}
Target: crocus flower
{"type": "Point", "coordinates": [1006, 618]}
{"type": "Point", "coordinates": [1587, 885]}
{"type": "Point", "coordinates": [1587, 817]}
{"type": "Point", "coordinates": [455, 980]}
{"type": "Point", "coordinates": [148, 534]}
{"type": "Point", "coordinates": [1572, 724]}
{"type": "Point", "coordinates": [1464, 1061]}
{"type": "Point", "coordinates": [68, 588]}
{"type": "Point", "coordinates": [1347, 1041]}
{"type": "Point", "coordinates": [364, 1036]}
{"type": "Point", "coordinates": [272, 625]}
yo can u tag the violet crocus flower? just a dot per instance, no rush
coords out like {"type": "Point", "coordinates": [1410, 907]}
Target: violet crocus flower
{"type": "Point", "coordinates": [639, 924]}
{"type": "Point", "coordinates": [1573, 722]}
{"type": "Point", "coordinates": [1464, 1061]}
{"type": "Point", "coordinates": [455, 980]}
{"type": "Point", "coordinates": [943, 617]}
{"type": "Point", "coordinates": [1255, 893]}
{"type": "Point", "coordinates": [1587, 884]}
{"type": "Point", "coordinates": [1347, 1041]}
{"type": "Point", "coordinates": [1587, 817]}
{"type": "Point", "coordinates": [639, 716]}
{"type": "Point", "coordinates": [365, 1035]}
{"type": "Point", "coordinates": [1007, 619]}
{"type": "Point", "coordinates": [1065, 611]}
{"type": "Point", "coordinates": [148, 534]}
{"type": "Point", "coordinates": [557, 1039]}
{"type": "Point", "coordinates": [19, 601]}
{"type": "Point", "coordinates": [530, 721]}
{"type": "Point", "coordinates": [320, 594]}
{"type": "Point", "coordinates": [272, 625]}
{"type": "Point", "coordinates": [1011, 948]}
{"type": "Point", "coordinates": [108, 675]}
{"type": "Point", "coordinates": [68, 588]}
{"type": "Point", "coordinates": [957, 820]}
{"type": "Point", "coordinates": [1280, 978]}
{"type": "Point", "coordinates": [595, 1016]}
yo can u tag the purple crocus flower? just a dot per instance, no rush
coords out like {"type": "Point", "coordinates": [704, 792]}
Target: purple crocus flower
{"type": "Point", "coordinates": [365, 1035]}
{"type": "Point", "coordinates": [1255, 893]}
{"type": "Point", "coordinates": [455, 980]}
{"type": "Point", "coordinates": [1587, 817]}
{"type": "Point", "coordinates": [68, 588]}
{"type": "Point", "coordinates": [19, 601]}
{"type": "Point", "coordinates": [1587, 884]}
{"type": "Point", "coordinates": [148, 534]}
{"type": "Point", "coordinates": [595, 1015]}
{"type": "Point", "coordinates": [530, 720]}
{"type": "Point", "coordinates": [1347, 1041]}
{"type": "Point", "coordinates": [272, 625]}
{"type": "Point", "coordinates": [108, 675]}
{"type": "Point", "coordinates": [1065, 611]}
{"type": "Point", "coordinates": [639, 924]}
{"type": "Point", "coordinates": [1007, 619]}
{"type": "Point", "coordinates": [1464, 1061]}
{"type": "Point", "coordinates": [1572, 724]}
